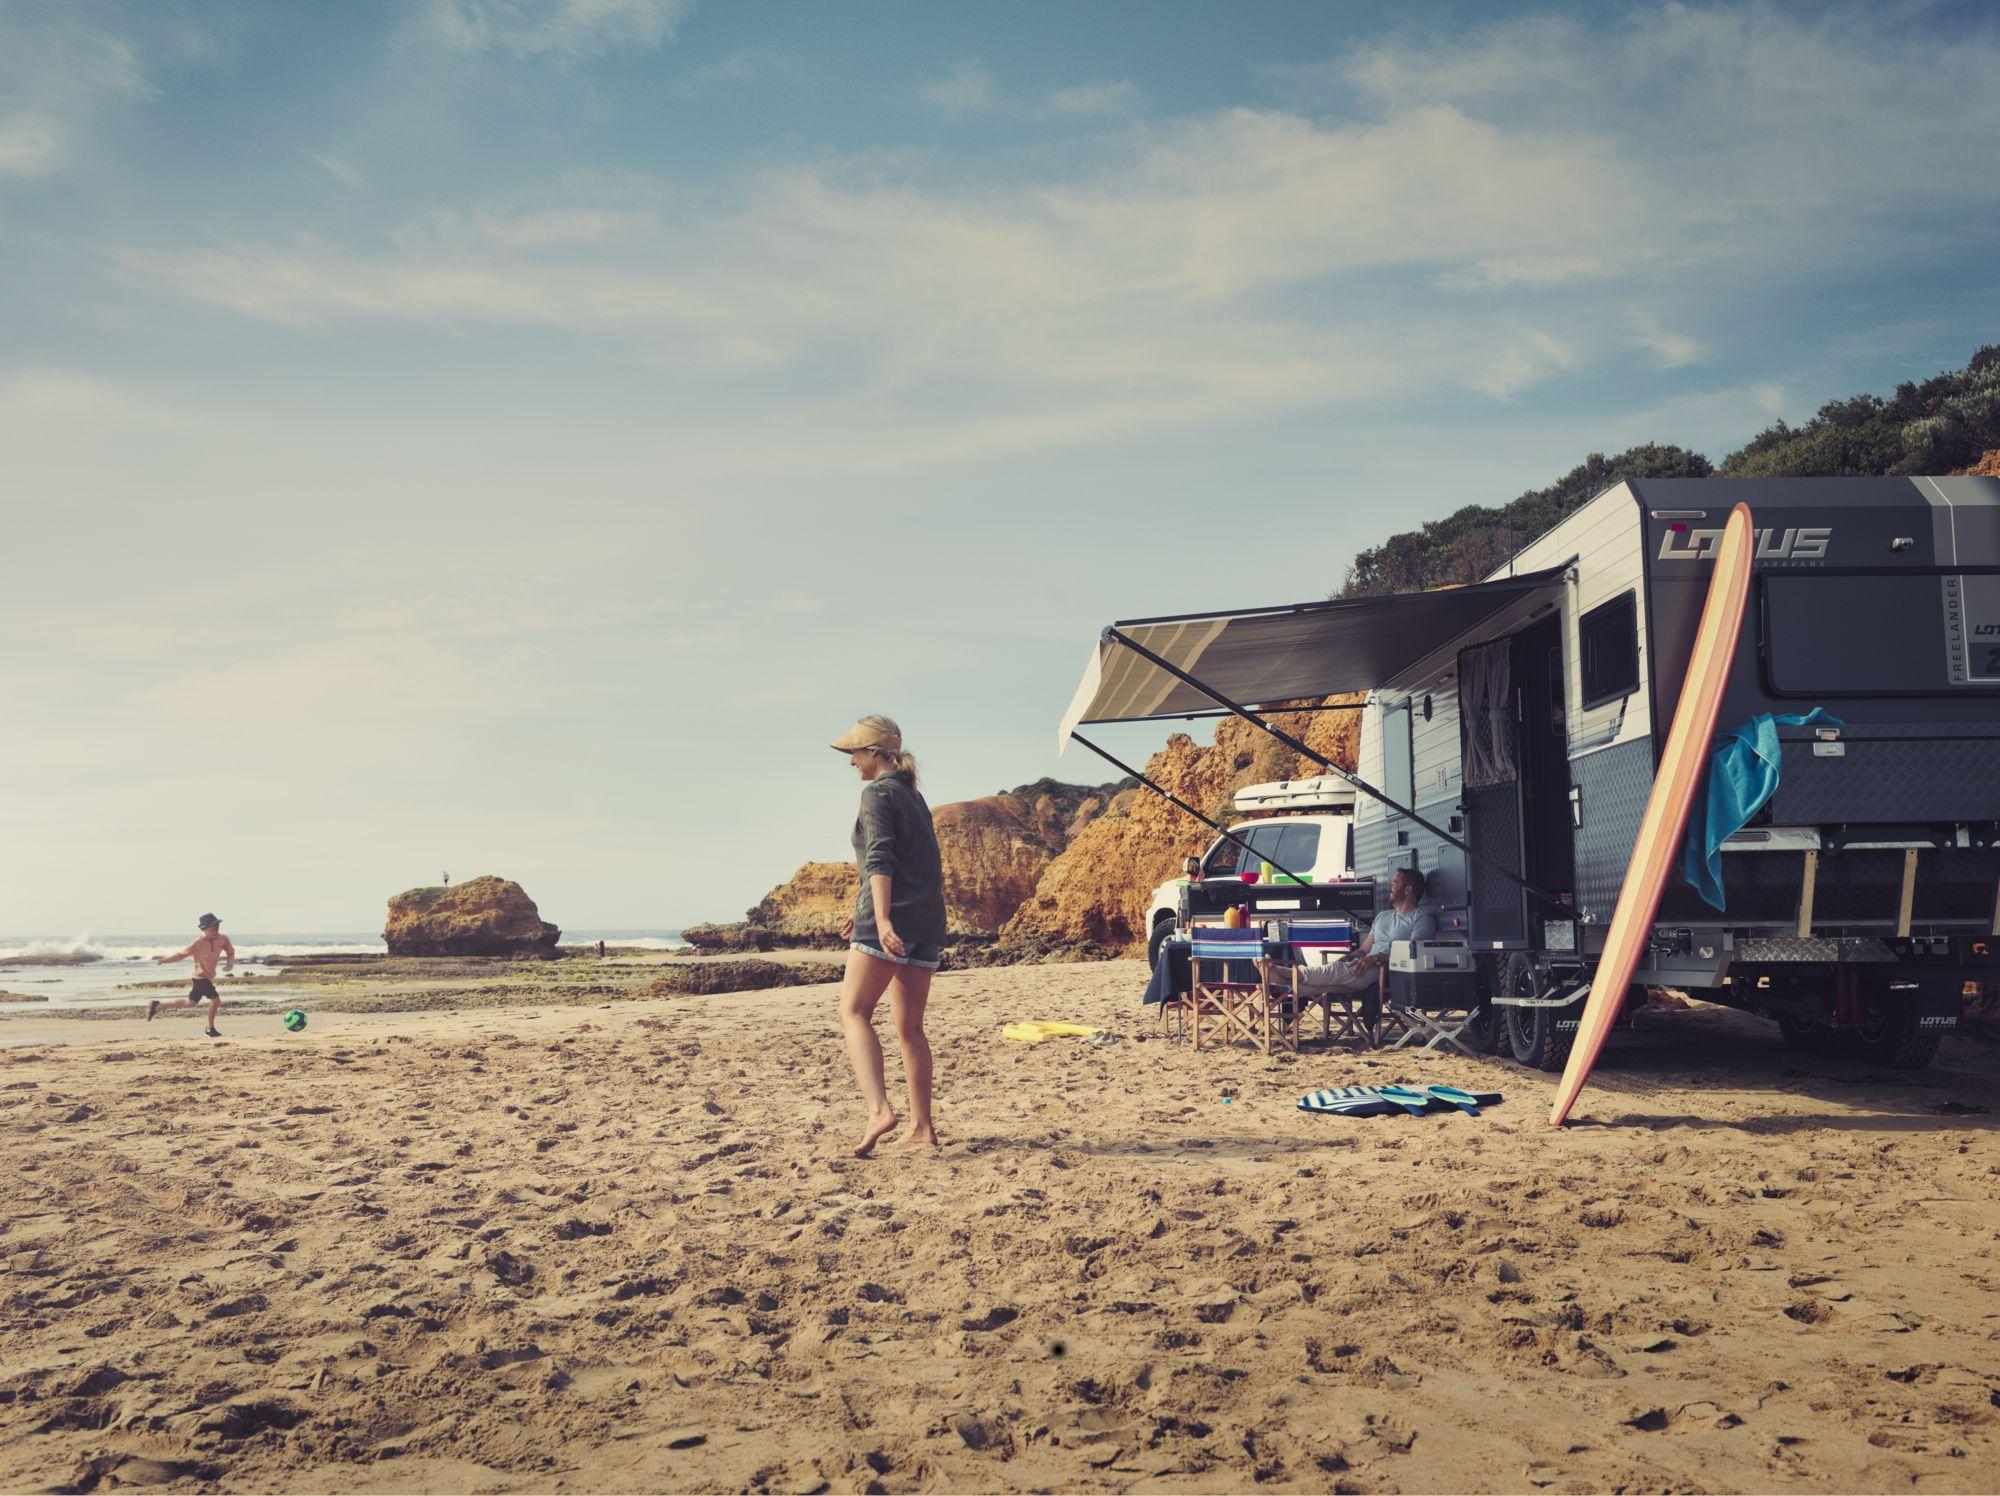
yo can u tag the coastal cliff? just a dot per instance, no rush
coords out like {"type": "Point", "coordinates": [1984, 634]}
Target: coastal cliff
{"type": "Point", "coordinates": [995, 850]}
{"type": "Point", "coordinates": [1098, 889]}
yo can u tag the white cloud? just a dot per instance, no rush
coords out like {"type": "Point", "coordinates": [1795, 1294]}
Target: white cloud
{"type": "Point", "coordinates": [30, 145]}
{"type": "Point", "coordinates": [338, 166]}
{"type": "Point", "coordinates": [567, 29]}
{"type": "Point", "coordinates": [1673, 350]}
{"type": "Point", "coordinates": [1214, 267]}
{"type": "Point", "coordinates": [1096, 98]}
{"type": "Point", "coordinates": [1531, 356]}
{"type": "Point", "coordinates": [967, 89]}
{"type": "Point", "coordinates": [59, 70]}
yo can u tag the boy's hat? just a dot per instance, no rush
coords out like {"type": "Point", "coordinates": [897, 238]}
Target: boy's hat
{"type": "Point", "coordinates": [206, 920]}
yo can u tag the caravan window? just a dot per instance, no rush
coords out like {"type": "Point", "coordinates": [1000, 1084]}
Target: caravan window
{"type": "Point", "coordinates": [1881, 634]}
{"type": "Point", "coordinates": [1398, 768]}
{"type": "Point", "coordinates": [1610, 642]}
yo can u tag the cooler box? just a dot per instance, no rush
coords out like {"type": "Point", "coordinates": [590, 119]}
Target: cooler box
{"type": "Point", "coordinates": [1435, 975]}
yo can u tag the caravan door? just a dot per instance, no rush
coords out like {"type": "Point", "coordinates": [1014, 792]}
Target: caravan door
{"type": "Point", "coordinates": [1515, 761]}
{"type": "Point", "coordinates": [1489, 734]}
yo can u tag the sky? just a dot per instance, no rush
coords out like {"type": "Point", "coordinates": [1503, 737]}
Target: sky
{"type": "Point", "coordinates": [514, 436]}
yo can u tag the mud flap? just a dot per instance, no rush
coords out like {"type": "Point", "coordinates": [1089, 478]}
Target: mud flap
{"type": "Point", "coordinates": [1937, 1004]}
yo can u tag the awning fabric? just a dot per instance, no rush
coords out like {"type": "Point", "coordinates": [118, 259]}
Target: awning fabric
{"type": "Point", "coordinates": [1285, 654]}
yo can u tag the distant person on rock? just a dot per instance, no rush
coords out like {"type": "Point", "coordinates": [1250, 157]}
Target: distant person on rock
{"type": "Point", "coordinates": [209, 947]}
{"type": "Point", "coordinates": [896, 934]}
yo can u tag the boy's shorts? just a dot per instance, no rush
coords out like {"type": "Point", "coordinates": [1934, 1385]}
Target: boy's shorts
{"type": "Point", "coordinates": [203, 991]}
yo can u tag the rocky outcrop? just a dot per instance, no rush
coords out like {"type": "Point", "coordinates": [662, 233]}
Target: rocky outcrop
{"type": "Point", "coordinates": [483, 917]}
{"type": "Point", "coordinates": [807, 909]}
{"type": "Point", "coordinates": [1097, 891]}
{"type": "Point", "coordinates": [994, 849]}
{"type": "Point", "coordinates": [1988, 466]}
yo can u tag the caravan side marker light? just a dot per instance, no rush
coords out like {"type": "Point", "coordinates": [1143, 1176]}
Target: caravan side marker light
{"type": "Point", "coordinates": [1677, 528]}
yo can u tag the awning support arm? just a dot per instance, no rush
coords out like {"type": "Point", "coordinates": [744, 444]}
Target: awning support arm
{"type": "Point", "coordinates": [1328, 764]}
{"type": "Point", "coordinates": [1169, 795]}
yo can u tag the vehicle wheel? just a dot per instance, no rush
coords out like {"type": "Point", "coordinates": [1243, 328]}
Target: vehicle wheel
{"type": "Point", "coordinates": [1485, 1032]}
{"type": "Point", "coordinates": [1887, 1033]}
{"type": "Point", "coordinates": [1805, 1033]}
{"type": "Point", "coordinates": [1531, 1032]}
{"type": "Point", "coordinates": [1162, 928]}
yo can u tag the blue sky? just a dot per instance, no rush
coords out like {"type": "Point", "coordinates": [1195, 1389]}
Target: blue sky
{"type": "Point", "coordinates": [508, 436]}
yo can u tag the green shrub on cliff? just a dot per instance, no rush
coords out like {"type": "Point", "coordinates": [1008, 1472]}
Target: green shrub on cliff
{"type": "Point", "coordinates": [1944, 423]}
{"type": "Point", "coordinates": [1940, 425]}
{"type": "Point", "coordinates": [1465, 546]}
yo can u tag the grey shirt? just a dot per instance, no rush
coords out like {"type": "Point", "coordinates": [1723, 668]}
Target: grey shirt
{"type": "Point", "coordinates": [893, 836]}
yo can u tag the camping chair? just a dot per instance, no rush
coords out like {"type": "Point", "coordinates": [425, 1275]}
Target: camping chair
{"type": "Point", "coordinates": [1311, 945]}
{"type": "Point", "coordinates": [1171, 1011]}
{"type": "Point", "coordinates": [1439, 1016]}
{"type": "Point", "coordinates": [1225, 980]}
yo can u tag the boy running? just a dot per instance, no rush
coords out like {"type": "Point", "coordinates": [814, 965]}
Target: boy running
{"type": "Point", "coordinates": [209, 947]}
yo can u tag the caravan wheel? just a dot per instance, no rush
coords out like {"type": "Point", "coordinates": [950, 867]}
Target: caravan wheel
{"type": "Point", "coordinates": [1887, 1032]}
{"type": "Point", "coordinates": [1532, 1033]}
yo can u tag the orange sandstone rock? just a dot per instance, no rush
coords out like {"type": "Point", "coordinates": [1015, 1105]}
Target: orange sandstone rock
{"type": "Point", "coordinates": [483, 917]}
{"type": "Point", "coordinates": [1098, 889]}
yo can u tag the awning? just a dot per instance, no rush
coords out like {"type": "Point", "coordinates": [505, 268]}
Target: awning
{"type": "Point", "coordinates": [1264, 655]}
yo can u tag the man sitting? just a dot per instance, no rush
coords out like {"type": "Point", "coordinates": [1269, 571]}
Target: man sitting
{"type": "Point", "coordinates": [1404, 919]}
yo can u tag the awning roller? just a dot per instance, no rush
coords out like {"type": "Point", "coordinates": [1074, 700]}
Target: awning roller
{"type": "Point", "coordinates": [1284, 654]}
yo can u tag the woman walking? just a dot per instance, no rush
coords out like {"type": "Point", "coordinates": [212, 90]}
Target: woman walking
{"type": "Point", "coordinates": [896, 935]}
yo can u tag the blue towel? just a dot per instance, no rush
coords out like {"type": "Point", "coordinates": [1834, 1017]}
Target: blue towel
{"type": "Point", "coordinates": [1742, 777]}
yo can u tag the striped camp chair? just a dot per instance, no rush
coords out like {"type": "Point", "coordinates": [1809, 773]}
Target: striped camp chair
{"type": "Point", "coordinates": [1225, 981]}
{"type": "Point", "coordinates": [1310, 945]}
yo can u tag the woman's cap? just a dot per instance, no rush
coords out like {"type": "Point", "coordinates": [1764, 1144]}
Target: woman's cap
{"type": "Point", "coordinates": [876, 732]}
{"type": "Point", "coordinates": [206, 920]}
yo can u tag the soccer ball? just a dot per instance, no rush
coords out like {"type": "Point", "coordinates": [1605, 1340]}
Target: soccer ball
{"type": "Point", "coordinates": [295, 1020]}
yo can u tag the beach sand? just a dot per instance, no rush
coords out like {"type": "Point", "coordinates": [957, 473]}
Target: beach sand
{"type": "Point", "coordinates": [617, 1248]}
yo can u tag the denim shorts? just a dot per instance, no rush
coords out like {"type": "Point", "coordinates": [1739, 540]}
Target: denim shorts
{"type": "Point", "coordinates": [920, 954]}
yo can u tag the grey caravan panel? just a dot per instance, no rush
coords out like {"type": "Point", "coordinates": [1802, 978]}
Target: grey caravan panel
{"type": "Point", "coordinates": [1925, 748]}
{"type": "Point", "coordinates": [1612, 786]}
{"type": "Point", "coordinates": [1381, 847]}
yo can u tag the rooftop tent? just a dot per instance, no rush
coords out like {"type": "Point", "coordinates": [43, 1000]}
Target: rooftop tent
{"type": "Point", "coordinates": [1264, 655]}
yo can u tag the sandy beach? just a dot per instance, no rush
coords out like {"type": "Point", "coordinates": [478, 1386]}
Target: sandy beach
{"type": "Point", "coordinates": [617, 1247]}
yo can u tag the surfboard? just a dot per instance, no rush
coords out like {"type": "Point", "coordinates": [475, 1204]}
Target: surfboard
{"type": "Point", "coordinates": [1656, 849]}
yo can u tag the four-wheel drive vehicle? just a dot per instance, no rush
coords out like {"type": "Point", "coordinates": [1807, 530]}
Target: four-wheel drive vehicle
{"type": "Point", "coordinates": [1309, 832]}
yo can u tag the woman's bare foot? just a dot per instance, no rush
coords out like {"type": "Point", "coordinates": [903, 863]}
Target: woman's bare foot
{"type": "Point", "coordinates": [918, 1135]}
{"type": "Point", "coordinates": [880, 1125]}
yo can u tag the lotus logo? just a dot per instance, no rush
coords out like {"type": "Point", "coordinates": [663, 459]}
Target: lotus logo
{"type": "Point", "coordinates": [1808, 544]}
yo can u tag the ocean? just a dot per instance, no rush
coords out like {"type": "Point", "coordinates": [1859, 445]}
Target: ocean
{"type": "Point", "coordinates": [128, 959]}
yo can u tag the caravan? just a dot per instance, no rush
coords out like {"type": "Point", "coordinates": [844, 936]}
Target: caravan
{"type": "Point", "coordinates": [1512, 728]}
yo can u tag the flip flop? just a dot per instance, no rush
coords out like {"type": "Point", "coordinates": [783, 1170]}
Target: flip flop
{"type": "Point", "coordinates": [1409, 1098]}
{"type": "Point", "coordinates": [1468, 1102]}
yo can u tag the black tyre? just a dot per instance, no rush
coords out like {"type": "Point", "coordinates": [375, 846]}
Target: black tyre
{"type": "Point", "coordinates": [1532, 1033]}
{"type": "Point", "coordinates": [1887, 1033]}
{"type": "Point", "coordinates": [1808, 1034]}
{"type": "Point", "coordinates": [1485, 1032]}
{"type": "Point", "coordinates": [1535, 1040]}
{"type": "Point", "coordinates": [1162, 928]}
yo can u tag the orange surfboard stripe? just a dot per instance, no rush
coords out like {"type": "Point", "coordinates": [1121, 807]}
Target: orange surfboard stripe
{"type": "Point", "coordinates": [1666, 816]}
